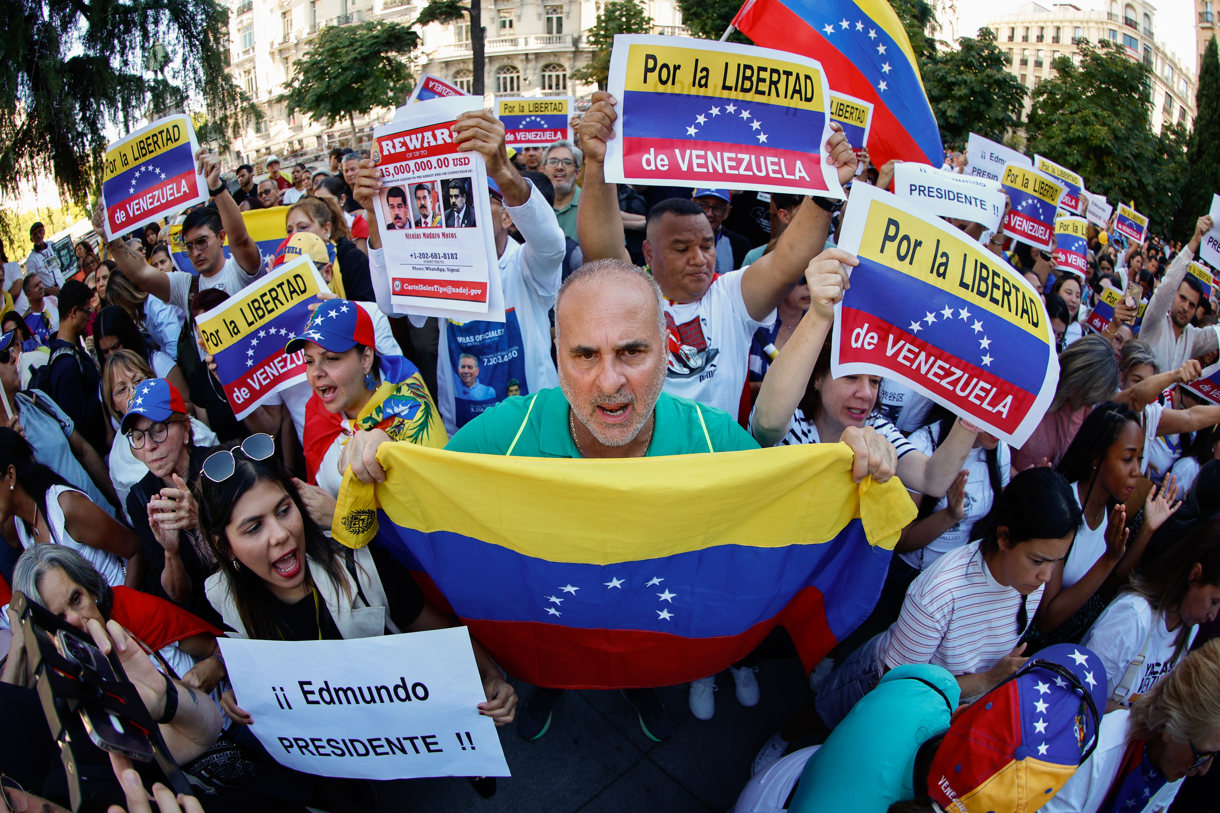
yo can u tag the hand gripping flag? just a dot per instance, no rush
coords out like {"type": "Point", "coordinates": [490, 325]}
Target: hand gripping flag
{"type": "Point", "coordinates": [538, 558]}
{"type": "Point", "coordinates": [864, 50]}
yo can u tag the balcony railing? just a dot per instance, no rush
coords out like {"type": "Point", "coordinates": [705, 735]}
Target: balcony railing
{"type": "Point", "coordinates": [1131, 23]}
{"type": "Point", "coordinates": [1207, 17]}
{"type": "Point", "coordinates": [245, 7]}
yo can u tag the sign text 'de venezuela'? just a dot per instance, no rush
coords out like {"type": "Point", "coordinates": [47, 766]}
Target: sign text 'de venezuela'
{"type": "Point", "coordinates": [150, 174]}
{"type": "Point", "coordinates": [535, 122]}
{"type": "Point", "coordinates": [1071, 245]}
{"type": "Point", "coordinates": [699, 113]}
{"type": "Point", "coordinates": [1130, 223]}
{"type": "Point", "coordinates": [934, 308]}
{"type": "Point", "coordinates": [1033, 197]}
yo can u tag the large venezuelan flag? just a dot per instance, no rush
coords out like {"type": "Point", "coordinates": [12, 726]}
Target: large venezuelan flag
{"type": "Point", "coordinates": [865, 52]}
{"type": "Point", "coordinates": [605, 574]}
{"type": "Point", "coordinates": [265, 226]}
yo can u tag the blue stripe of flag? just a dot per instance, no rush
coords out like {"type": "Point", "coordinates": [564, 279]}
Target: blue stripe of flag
{"type": "Point", "coordinates": [785, 127]}
{"type": "Point", "coordinates": [149, 173]}
{"type": "Point", "coordinates": [536, 121]}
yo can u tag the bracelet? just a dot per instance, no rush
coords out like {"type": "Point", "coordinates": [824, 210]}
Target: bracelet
{"type": "Point", "coordinates": [218, 656]}
{"type": "Point", "coordinates": [171, 702]}
{"type": "Point", "coordinates": [218, 190]}
{"type": "Point", "coordinates": [829, 204]}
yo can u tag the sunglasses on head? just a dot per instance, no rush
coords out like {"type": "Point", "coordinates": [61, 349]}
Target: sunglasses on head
{"type": "Point", "coordinates": [1200, 757]}
{"type": "Point", "coordinates": [220, 466]}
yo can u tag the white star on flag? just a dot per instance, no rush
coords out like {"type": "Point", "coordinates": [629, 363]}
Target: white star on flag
{"type": "Point", "coordinates": [885, 67]}
{"type": "Point", "coordinates": [730, 108]}
{"type": "Point", "coordinates": [754, 125]}
{"type": "Point", "coordinates": [1041, 706]}
{"type": "Point", "coordinates": [1042, 688]}
{"type": "Point", "coordinates": [964, 314]}
{"type": "Point", "coordinates": [667, 596]}
{"type": "Point", "coordinates": [553, 611]}
{"type": "Point", "coordinates": [700, 119]}
{"type": "Point", "coordinates": [1060, 682]}
{"type": "Point", "coordinates": [1040, 726]}
{"type": "Point", "coordinates": [882, 86]}
{"type": "Point", "coordinates": [872, 33]}
{"type": "Point", "coordinates": [654, 581]}
{"type": "Point", "coordinates": [554, 599]}
{"type": "Point", "coordinates": [987, 360]}
{"type": "Point", "coordinates": [829, 29]}
{"type": "Point", "coordinates": [916, 327]}
{"type": "Point", "coordinates": [1042, 750]}
{"type": "Point", "coordinates": [762, 138]}
{"type": "Point", "coordinates": [929, 317]}
{"type": "Point", "coordinates": [844, 23]}
{"type": "Point", "coordinates": [692, 130]}
{"type": "Point", "coordinates": [881, 47]}
{"type": "Point", "coordinates": [1088, 678]}
{"type": "Point", "coordinates": [569, 589]}
{"type": "Point", "coordinates": [615, 583]}
{"type": "Point", "coordinates": [859, 25]}
{"type": "Point", "coordinates": [715, 111]}
{"type": "Point", "coordinates": [1080, 658]}
{"type": "Point", "coordinates": [977, 326]}
{"type": "Point", "coordinates": [664, 615]}
{"type": "Point", "coordinates": [984, 343]}
{"type": "Point", "coordinates": [745, 114]}
{"type": "Point", "coordinates": [948, 312]}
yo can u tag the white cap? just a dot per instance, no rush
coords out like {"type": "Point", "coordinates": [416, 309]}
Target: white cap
{"type": "Point", "coordinates": [270, 159]}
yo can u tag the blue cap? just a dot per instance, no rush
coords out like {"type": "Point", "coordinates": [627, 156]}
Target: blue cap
{"type": "Point", "coordinates": [337, 326]}
{"type": "Point", "coordinates": [155, 399]}
{"type": "Point", "coordinates": [494, 188]}
{"type": "Point", "coordinates": [723, 194]}
{"type": "Point", "coordinates": [6, 341]}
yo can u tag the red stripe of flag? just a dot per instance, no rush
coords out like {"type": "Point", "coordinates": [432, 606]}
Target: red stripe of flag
{"type": "Point", "coordinates": [172, 202]}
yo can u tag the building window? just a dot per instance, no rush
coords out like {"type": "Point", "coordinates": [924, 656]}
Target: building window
{"type": "Point", "coordinates": [1038, 59]}
{"type": "Point", "coordinates": [251, 84]}
{"type": "Point", "coordinates": [1169, 74]}
{"type": "Point", "coordinates": [1077, 35]}
{"type": "Point", "coordinates": [1012, 34]}
{"type": "Point", "coordinates": [313, 16]}
{"type": "Point", "coordinates": [1168, 108]}
{"type": "Point", "coordinates": [246, 37]}
{"type": "Point", "coordinates": [508, 79]}
{"type": "Point", "coordinates": [507, 21]}
{"type": "Point", "coordinates": [1182, 115]}
{"type": "Point", "coordinates": [1113, 35]}
{"type": "Point", "coordinates": [461, 32]}
{"type": "Point", "coordinates": [1147, 25]}
{"type": "Point", "coordinates": [1131, 42]}
{"type": "Point", "coordinates": [1011, 58]}
{"type": "Point", "coordinates": [286, 25]}
{"type": "Point", "coordinates": [554, 20]}
{"type": "Point", "coordinates": [1055, 35]}
{"type": "Point", "coordinates": [1025, 59]}
{"type": "Point", "coordinates": [1148, 55]}
{"type": "Point", "coordinates": [1025, 34]}
{"type": "Point", "coordinates": [463, 80]}
{"type": "Point", "coordinates": [554, 77]}
{"type": "Point", "coordinates": [1041, 34]}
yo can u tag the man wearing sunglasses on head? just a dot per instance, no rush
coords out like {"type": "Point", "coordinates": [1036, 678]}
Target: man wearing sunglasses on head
{"type": "Point", "coordinates": [203, 235]}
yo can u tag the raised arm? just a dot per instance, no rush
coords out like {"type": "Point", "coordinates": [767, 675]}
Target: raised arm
{"type": "Point", "coordinates": [132, 263]}
{"type": "Point", "coordinates": [598, 223]}
{"type": "Point", "coordinates": [933, 475]}
{"type": "Point", "coordinates": [241, 244]}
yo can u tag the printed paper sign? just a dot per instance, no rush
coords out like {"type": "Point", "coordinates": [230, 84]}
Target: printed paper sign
{"type": "Point", "coordinates": [150, 175]}
{"type": "Point", "coordinates": [1204, 276]}
{"type": "Point", "coordinates": [718, 114]}
{"type": "Point", "coordinates": [266, 227]}
{"type": "Point", "coordinates": [1034, 198]}
{"type": "Point", "coordinates": [1099, 210]}
{"type": "Point", "coordinates": [987, 159]}
{"type": "Point", "coordinates": [1071, 245]}
{"type": "Point", "coordinates": [938, 311]}
{"type": "Point", "coordinates": [1207, 385]}
{"type": "Point", "coordinates": [394, 707]}
{"type": "Point", "coordinates": [1103, 311]}
{"type": "Point", "coordinates": [1209, 247]}
{"type": "Point", "coordinates": [854, 115]}
{"type": "Point", "coordinates": [1073, 184]}
{"type": "Point", "coordinates": [1130, 223]}
{"type": "Point", "coordinates": [949, 194]}
{"type": "Point", "coordinates": [430, 87]}
{"type": "Point", "coordinates": [435, 214]}
{"type": "Point", "coordinates": [247, 332]}
{"type": "Point", "coordinates": [535, 122]}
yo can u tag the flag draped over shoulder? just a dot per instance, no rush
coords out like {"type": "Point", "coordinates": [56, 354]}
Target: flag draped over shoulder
{"type": "Point", "coordinates": [865, 52]}
{"type": "Point", "coordinates": [606, 574]}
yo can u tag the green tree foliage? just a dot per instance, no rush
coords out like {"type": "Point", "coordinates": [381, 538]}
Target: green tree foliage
{"type": "Point", "coordinates": [917, 16]}
{"type": "Point", "coordinates": [1203, 155]}
{"type": "Point", "coordinates": [617, 17]}
{"type": "Point", "coordinates": [75, 72]}
{"type": "Point", "coordinates": [1095, 118]}
{"type": "Point", "coordinates": [709, 18]}
{"type": "Point", "coordinates": [972, 90]}
{"type": "Point", "coordinates": [352, 69]}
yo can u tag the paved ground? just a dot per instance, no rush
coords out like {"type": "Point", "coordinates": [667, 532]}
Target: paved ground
{"type": "Point", "coordinates": [595, 757]}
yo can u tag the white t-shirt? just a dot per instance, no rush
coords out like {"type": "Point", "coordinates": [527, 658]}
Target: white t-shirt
{"type": "Point", "coordinates": [978, 499]}
{"type": "Point", "coordinates": [801, 430]}
{"type": "Point", "coordinates": [708, 344]}
{"type": "Point", "coordinates": [1186, 470]}
{"type": "Point", "coordinates": [46, 265]}
{"type": "Point", "coordinates": [292, 195]}
{"type": "Point", "coordinates": [112, 568]}
{"type": "Point", "coordinates": [230, 279]}
{"type": "Point", "coordinates": [1122, 632]}
{"type": "Point", "coordinates": [956, 615]}
{"type": "Point", "coordinates": [1160, 451]}
{"type": "Point", "coordinates": [1087, 548]}
{"type": "Point", "coordinates": [902, 405]}
{"type": "Point", "coordinates": [1089, 786]}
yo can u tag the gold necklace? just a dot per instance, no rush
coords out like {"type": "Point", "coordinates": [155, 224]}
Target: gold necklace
{"type": "Point", "coordinates": [576, 439]}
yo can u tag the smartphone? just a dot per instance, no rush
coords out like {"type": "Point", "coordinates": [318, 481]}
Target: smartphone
{"type": "Point", "coordinates": [106, 730]}
{"type": "Point", "coordinates": [1136, 292]}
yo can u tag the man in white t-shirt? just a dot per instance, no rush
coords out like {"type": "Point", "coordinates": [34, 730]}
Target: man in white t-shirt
{"type": "Point", "coordinates": [711, 318]}
{"type": "Point", "coordinates": [43, 262]}
{"type": "Point", "coordinates": [203, 234]}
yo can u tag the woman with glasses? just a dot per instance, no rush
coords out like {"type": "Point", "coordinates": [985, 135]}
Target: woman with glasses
{"type": "Point", "coordinates": [1144, 753]}
{"type": "Point", "coordinates": [161, 507]}
{"type": "Point", "coordinates": [45, 510]}
{"type": "Point", "coordinates": [281, 578]}
{"type": "Point", "coordinates": [114, 329]}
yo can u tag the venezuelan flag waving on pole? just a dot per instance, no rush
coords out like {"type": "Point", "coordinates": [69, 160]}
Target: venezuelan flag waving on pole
{"type": "Point", "coordinates": [864, 50]}
{"type": "Point", "coordinates": [604, 574]}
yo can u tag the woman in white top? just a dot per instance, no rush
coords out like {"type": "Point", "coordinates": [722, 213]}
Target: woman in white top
{"type": "Point", "coordinates": [114, 330]}
{"type": "Point", "coordinates": [1069, 287]}
{"type": "Point", "coordinates": [1147, 630]}
{"type": "Point", "coordinates": [45, 510]}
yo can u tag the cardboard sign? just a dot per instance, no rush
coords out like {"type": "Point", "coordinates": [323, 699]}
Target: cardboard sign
{"type": "Point", "coordinates": [247, 332]}
{"type": "Point", "coordinates": [430, 87]}
{"type": "Point", "coordinates": [535, 122]}
{"type": "Point", "coordinates": [716, 114]}
{"type": "Point", "coordinates": [854, 115]}
{"type": "Point", "coordinates": [1204, 276]}
{"type": "Point", "coordinates": [1209, 247]}
{"type": "Point", "coordinates": [1072, 245]}
{"type": "Point", "coordinates": [436, 214]}
{"type": "Point", "coordinates": [938, 311]}
{"type": "Point", "coordinates": [987, 159]}
{"type": "Point", "coordinates": [948, 194]}
{"type": "Point", "coordinates": [393, 707]}
{"type": "Point", "coordinates": [1130, 223]}
{"type": "Point", "coordinates": [150, 175]}
{"type": "Point", "coordinates": [1073, 184]}
{"type": "Point", "coordinates": [1099, 210]}
{"type": "Point", "coordinates": [1034, 198]}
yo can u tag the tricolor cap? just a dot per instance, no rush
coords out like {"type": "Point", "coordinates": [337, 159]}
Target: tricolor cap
{"type": "Point", "coordinates": [337, 325]}
{"type": "Point", "coordinates": [1016, 746]}
{"type": "Point", "coordinates": [303, 243]}
{"type": "Point", "coordinates": [494, 188]}
{"type": "Point", "coordinates": [155, 399]}
{"type": "Point", "coordinates": [723, 194]}
{"type": "Point", "coordinates": [6, 341]}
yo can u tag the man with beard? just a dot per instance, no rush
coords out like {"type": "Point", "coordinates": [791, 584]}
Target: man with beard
{"type": "Point", "coordinates": [561, 162]}
{"type": "Point", "coordinates": [423, 204]}
{"type": "Point", "coordinates": [1167, 318]}
{"type": "Point", "coordinates": [396, 207]}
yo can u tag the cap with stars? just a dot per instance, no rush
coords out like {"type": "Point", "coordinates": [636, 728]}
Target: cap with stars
{"type": "Point", "coordinates": [155, 399]}
{"type": "Point", "coordinates": [337, 325]}
{"type": "Point", "coordinates": [1016, 746]}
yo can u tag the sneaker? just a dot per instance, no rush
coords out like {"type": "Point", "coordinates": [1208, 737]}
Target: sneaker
{"type": "Point", "coordinates": [820, 673]}
{"type": "Point", "coordinates": [653, 717]}
{"type": "Point", "coordinates": [703, 698]}
{"type": "Point", "coordinates": [771, 752]}
{"type": "Point", "coordinates": [746, 684]}
{"type": "Point", "coordinates": [534, 717]}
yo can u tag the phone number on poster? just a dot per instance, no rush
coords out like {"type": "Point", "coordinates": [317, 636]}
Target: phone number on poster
{"type": "Point", "coordinates": [424, 255]}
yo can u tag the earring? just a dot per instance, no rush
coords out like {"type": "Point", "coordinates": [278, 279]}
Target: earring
{"type": "Point", "coordinates": [236, 564]}
{"type": "Point", "coordinates": [370, 383]}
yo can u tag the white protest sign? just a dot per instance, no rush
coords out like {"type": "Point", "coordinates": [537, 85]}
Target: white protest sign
{"type": "Point", "coordinates": [1099, 210]}
{"type": "Point", "coordinates": [948, 194]}
{"type": "Point", "coordinates": [986, 159]}
{"type": "Point", "coordinates": [394, 707]}
{"type": "Point", "coordinates": [151, 174]}
{"type": "Point", "coordinates": [1209, 248]}
{"type": "Point", "coordinates": [435, 214]}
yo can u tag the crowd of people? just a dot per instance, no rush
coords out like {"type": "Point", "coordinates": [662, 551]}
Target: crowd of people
{"type": "Point", "coordinates": [650, 321]}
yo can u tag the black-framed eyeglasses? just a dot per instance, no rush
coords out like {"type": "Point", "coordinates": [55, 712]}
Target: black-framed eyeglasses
{"type": "Point", "coordinates": [560, 162]}
{"type": "Point", "coordinates": [1200, 757]}
{"type": "Point", "coordinates": [716, 208]}
{"type": "Point", "coordinates": [220, 465]}
{"type": "Point", "coordinates": [159, 431]}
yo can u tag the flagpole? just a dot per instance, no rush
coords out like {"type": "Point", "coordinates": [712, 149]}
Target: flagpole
{"type": "Point", "coordinates": [728, 32]}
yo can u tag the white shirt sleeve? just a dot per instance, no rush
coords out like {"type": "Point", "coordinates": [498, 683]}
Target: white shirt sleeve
{"type": "Point", "coordinates": [542, 253]}
{"type": "Point", "coordinates": [1118, 635]}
